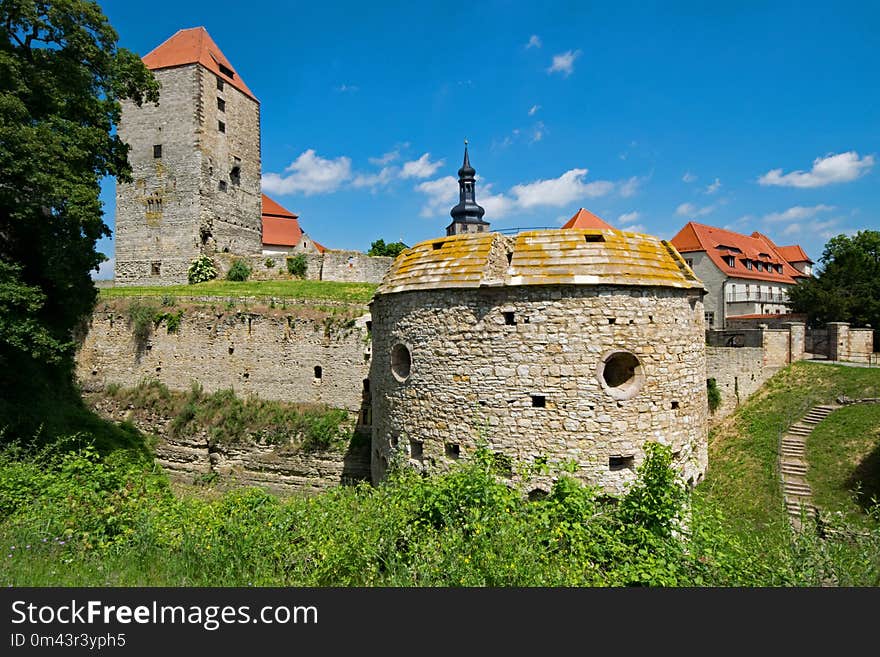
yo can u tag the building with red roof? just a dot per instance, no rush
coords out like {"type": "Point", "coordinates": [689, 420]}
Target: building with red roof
{"type": "Point", "coordinates": [745, 275]}
{"type": "Point", "coordinates": [586, 219]}
{"type": "Point", "coordinates": [282, 233]}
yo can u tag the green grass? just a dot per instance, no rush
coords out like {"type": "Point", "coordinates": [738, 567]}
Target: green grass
{"type": "Point", "coordinates": [301, 290]}
{"type": "Point", "coordinates": [743, 478]}
{"type": "Point", "coordinates": [844, 456]}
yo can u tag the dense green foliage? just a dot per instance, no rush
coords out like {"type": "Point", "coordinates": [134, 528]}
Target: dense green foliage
{"type": "Point", "coordinates": [201, 270]}
{"type": "Point", "coordinates": [847, 289]}
{"type": "Point", "coordinates": [713, 394]}
{"type": "Point", "coordinates": [240, 271]}
{"type": "Point", "coordinates": [392, 249]}
{"type": "Point", "coordinates": [297, 265]}
{"type": "Point", "coordinates": [299, 290]}
{"type": "Point", "coordinates": [71, 517]}
{"type": "Point", "coordinates": [228, 418]}
{"type": "Point", "coordinates": [61, 81]}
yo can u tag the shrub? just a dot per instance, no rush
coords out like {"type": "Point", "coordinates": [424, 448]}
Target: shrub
{"type": "Point", "coordinates": [297, 265]}
{"type": "Point", "coordinates": [713, 394]}
{"type": "Point", "coordinates": [240, 271]}
{"type": "Point", "coordinates": [142, 317]}
{"type": "Point", "coordinates": [201, 269]}
{"type": "Point", "coordinates": [269, 263]}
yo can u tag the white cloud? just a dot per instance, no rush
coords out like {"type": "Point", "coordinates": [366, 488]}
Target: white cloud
{"type": "Point", "coordinates": [386, 159]}
{"type": "Point", "coordinates": [688, 177]}
{"type": "Point", "coordinates": [691, 210]}
{"type": "Point", "coordinates": [628, 217]}
{"type": "Point", "coordinates": [347, 88]}
{"type": "Point", "coordinates": [714, 187]}
{"type": "Point", "coordinates": [534, 110]}
{"type": "Point", "coordinates": [538, 132]}
{"type": "Point", "coordinates": [635, 228]}
{"type": "Point", "coordinates": [797, 213]}
{"type": "Point", "coordinates": [442, 195]}
{"type": "Point", "coordinates": [629, 187]}
{"type": "Point", "coordinates": [309, 174]}
{"type": "Point", "coordinates": [564, 62]}
{"type": "Point", "coordinates": [824, 229]}
{"type": "Point", "coordinates": [842, 167]}
{"type": "Point", "coordinates": [105, 270]}
{"type": "Point", "coordinates": [372, 180]}
{"type": "Point", "coordinates": [496, 205]}
{"type": "Point", "coordinates": [421, 168]}
{"type": "Point", "coordinates": [560, 191]}
{"type": "Point", "coordinates": [534, 42]}
{"type": "Point", "coordinates": [565, 190]}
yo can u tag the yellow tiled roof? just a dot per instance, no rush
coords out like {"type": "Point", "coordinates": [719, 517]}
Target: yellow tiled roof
{"type": "Point", "coordinates": [540, 257]}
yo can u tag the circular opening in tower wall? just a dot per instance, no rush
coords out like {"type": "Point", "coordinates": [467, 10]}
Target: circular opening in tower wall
{"type": "Point", "coordinates": [401, 362]}
{"type": "Point", "coordinates": [621, 374]}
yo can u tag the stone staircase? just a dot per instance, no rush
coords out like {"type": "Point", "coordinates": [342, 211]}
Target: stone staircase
{"type": "Point", "coordinates": [793, 464]}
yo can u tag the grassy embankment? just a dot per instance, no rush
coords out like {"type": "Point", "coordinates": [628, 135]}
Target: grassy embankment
{"type": "Point", "coordinates": [78, 517]}
{"type": "Point", "coordinates": [305, 291]}
{"type": "Point", "coordinates": [743, 477]}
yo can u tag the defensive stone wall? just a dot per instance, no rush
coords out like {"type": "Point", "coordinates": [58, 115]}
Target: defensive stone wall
{"type": "Point", "coordinates": [738, 372]}
{"type": "Point", "coordinates": [354, 267]}
{"type": "Point", "coordinates": [274, 355]}
{"type": "Point", "coordinates": [280, 469]}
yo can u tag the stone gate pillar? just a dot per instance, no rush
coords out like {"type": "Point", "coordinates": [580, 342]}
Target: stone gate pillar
{"type": "Point", "coordinates": [838, 340]}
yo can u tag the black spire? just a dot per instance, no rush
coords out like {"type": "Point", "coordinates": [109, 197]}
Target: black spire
{"type": "Point", "coordinates": [467, 216]}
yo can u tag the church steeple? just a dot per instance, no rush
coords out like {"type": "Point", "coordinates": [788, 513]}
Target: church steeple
{"type": "Point", "coordinates": [467, 216]}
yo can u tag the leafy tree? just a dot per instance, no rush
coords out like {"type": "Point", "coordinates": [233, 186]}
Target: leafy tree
{"type": "Point", "coordinates": [62, 78]}
{"type": "Point", "coordinates": [847, 289]}
{"type": "Point", "coordinates": [379, 248]}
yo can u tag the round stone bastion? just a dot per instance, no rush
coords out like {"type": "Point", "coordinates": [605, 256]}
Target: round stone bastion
{"type": "Point", "coordinates": [560, 351]}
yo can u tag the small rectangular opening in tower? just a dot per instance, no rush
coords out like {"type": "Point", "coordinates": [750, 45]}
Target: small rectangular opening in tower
{"type": "Point", "coordinates": [416, 448]}
{"type": "Point", "coordinates": [220, 84]}
{"type": "Point", "coordinates": [620, 462]}
{"type": "Point", "coordinates": [157, 151]}
{"type": "Point", "coordinates": [437, 245]}
{"type": "Point", "coordinates": [225, 70]}
{"type": "Point", "coordinates": [221, 104]}
{"type": "Point", "coordinates": [674, 405]}
{"type": "Point", "coordinates": [453, 450]}
{"type": "Point", "coordinates": [221, 126]}
{"type": "Point", "coordinates": [509, 318]}
{"type": "Point", "coordinates": [539, 401]}
{"type": "Point", "coordinates": [155, 268]}
{"type": "Point", "coordinates": [319, 373]}
{"type": "Point", "coordinates": [221, 185]}
{"type": "Point", "coordinates": [612, 320]}
{"type": "Point", "coordinates": [594, 237]}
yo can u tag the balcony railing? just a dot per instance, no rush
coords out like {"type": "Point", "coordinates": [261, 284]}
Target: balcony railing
{"type": "Point", "coordinates": [774, 297]}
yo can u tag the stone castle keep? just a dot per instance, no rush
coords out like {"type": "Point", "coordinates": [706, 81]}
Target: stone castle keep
{"type": "Point", "coordinates": [195, 161]}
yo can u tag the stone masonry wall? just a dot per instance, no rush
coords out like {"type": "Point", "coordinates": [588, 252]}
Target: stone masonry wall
{"type": "Point", "coordinates": [280, 469]}
{"type": "Point", "coordinates": [520, 368]}
{"type": "Point", "coordinates": [272, 356]}
{"type": "Point", "coordinates": [230, 211]}
{"type": "Point", "coordinates": [861, 345]}
{"type": "Point", "coordinates": [738, 372]}
{"type": "Point", "coordinates": [353, 266]}
{"type": "Point", "coordinates": [157, 214]}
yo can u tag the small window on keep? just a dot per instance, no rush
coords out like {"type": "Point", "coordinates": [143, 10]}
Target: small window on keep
{"type": "Point", "coordinates": [157, 151]}
{"type": "Point", "coordinates": [221, 104]}
{"type": "Point", "coordinates": [221, 126]}
{"type": "Point", "coordinates": [219, 84]}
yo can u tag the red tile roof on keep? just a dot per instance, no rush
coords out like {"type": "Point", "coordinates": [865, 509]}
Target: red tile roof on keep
{"type": "Point", "coordinates": [586, 219]}
{"type": "Point", "coordinates": [195, 46]}
{"type": "Point", "coordinates": [281, 226]}
{"type": "Point", "coordinates": [718, 243]}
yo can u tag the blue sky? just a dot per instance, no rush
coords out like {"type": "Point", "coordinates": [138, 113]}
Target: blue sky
{"type": "Point", "coordinates": [746, 115]}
